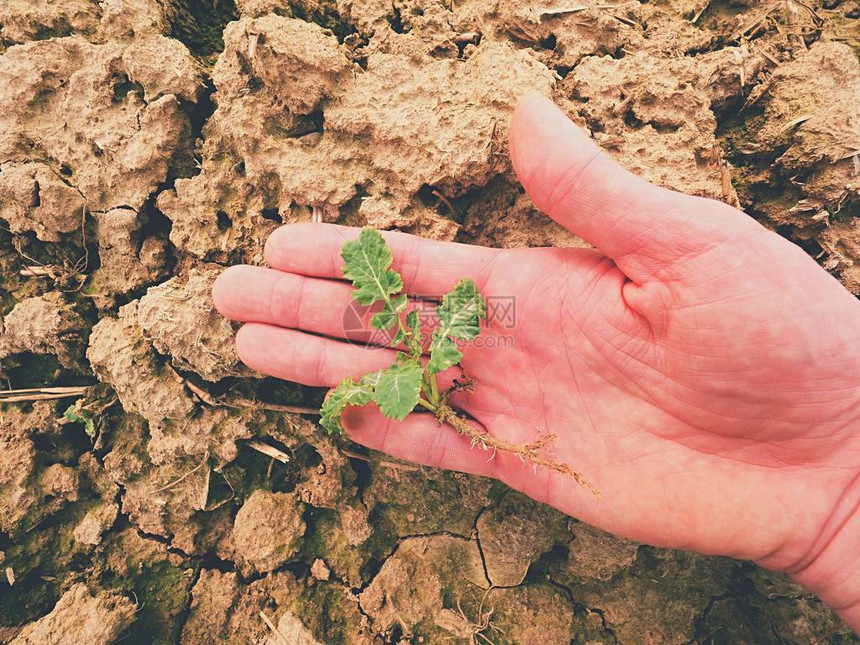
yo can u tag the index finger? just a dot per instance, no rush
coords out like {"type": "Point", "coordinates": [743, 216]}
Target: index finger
{"type": "Point", "coordinates": [428, 267]}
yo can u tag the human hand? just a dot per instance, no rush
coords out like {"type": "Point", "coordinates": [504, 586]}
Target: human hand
{"type": "Point", "coordinates": [702, 372]}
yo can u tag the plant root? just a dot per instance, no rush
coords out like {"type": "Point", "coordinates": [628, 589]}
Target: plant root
{"type": "Point", "coordinates": [528, 452]}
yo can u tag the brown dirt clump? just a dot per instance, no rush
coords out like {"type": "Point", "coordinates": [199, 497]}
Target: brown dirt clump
{"type": "Point", "coordinates": [145, 144]}
{"type": "Point", "coordinates": [421, 501]}
{"type": "Point", "coordinates": [96, 523]}
{"type": "Point", "coordinates": [268, 530]}
{"type": "Point", "coordinates": [169, 310]}
{"type": "Point", "coordinates": [656, 114]}
{"type": "Point", "coordinates": [291, 629]}
{"type": "Point", "coordinates": [18, 465]}
{"type": "Point", "coordinates": [527, 614]}
{"type": "Point", "coordinates": [598, 555]}
{"type": "Point", "coordinates": [826, 130]}
{"type": "Point", "coordinates": [812, 128]}
{"type": "Point", "coordinates": [104, 120]}
{"type": "Point", "coordinates": [128, 260]}
{"type": "Point", "coordinates": [122, 356]}
{"type": "Point", "coordinates": [410, 589]}
{"type": "Point", "coordinates": [22, 21]}
{"type": "Point", "coordinates": [303, 164]}
{"type": "Point", "coordinates": [35, 199]}
{"type": "Point", "coordinates": [674, 582]}
{"type": "Point", "coordinates": [44, 325]}
{"type": "Point", "coordinates": [513, 535]}
{"type": "Point", "coordinates": [80, 617]}
{"type": "Point", "coordinates": [224, 610]}
{"type": "Point", "coordinates": [212, 601]}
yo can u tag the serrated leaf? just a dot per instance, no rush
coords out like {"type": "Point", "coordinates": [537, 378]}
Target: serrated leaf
{"type": "Point", "coordinates": [460, 316]}
{"type": "Point", "coordinates": [443, 354]}
{"type": "Point", "coordinates": [461, 311]}
{"type": "Point", "coordinates": [368, 262]}
{"type": "Point", "coordinates": [398, 389]}
{"type": "Point", "coordinates": [413, 322]}
{"type": "Point", "coordinates": [347, 393]}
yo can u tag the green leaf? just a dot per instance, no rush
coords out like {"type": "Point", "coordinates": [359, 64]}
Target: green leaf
{"type": "Point", "coordinates": [398, 389]}
{"type": "Point", "coordinates": [443, 354]}
{"type": "Point", "coordinates": [414, 322]}
{"type": "Point", "coordinates": [410, 335]}
{"type": "Point", "coordinates": [399, 337]}
{"type": "Point", "coordinates": [461, 311]}
{"type": "Point", "coordinates": [387, 318]}
{"type": "Point", "coordinates": [460, 316]}
{"type": "Point", "coordinates": [367, 264]}
{"type": "Point", "coordinates": [347, 393]}
{"type": "Point", "coordinates": [84, 419]}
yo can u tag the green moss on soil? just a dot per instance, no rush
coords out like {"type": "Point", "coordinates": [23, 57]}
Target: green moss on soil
{"type": "Point", "coordinates": [143, 569]}
{"type": "Point", "coordinates": [46, 558]}
{"type": "Point", "coordinates": [34, 370]}
{"type": "Point", "coordinates": [326, 610]}
{"type": "Point", "coordinates": [326, 540]}
{"type": "Point", "coordinates": [199, 24]}
{"type": "Point", "coordinates": [324, 13]}
{"type": "Point", "coordinates": [423, 501]}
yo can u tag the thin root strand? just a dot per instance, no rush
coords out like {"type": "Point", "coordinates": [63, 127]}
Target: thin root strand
{"type": "Point", "coordinates": [529, 452]}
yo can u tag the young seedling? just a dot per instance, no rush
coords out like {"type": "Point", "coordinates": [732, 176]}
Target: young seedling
{"type": "Point", "coordinates": [74, 414]}
{"type": "Point", "coordinates": [410, 383]}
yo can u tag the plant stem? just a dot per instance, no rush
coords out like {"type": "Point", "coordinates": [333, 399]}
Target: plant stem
{"type": "Point", "coordinates": [434, 388]}
{"type": "Point", "coordinates": [427, 405]}
{"type": "Point", "coordinates": [403, 330]}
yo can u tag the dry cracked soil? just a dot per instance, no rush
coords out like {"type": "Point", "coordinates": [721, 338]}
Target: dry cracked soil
{"type": "Point", "coordinates": [169, 495]}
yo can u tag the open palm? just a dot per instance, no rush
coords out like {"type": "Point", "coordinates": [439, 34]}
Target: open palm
{"type": "Point", "coordinates": [700, 371]}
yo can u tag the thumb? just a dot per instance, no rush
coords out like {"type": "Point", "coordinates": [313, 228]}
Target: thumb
{"type": "Point", "coordinates": [642, 227]}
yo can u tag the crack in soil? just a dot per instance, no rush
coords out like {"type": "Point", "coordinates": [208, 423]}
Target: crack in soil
{"type": "Point", "coordinates": [183, 617]}
{"type": "Point", "coordinates": [568, 592]}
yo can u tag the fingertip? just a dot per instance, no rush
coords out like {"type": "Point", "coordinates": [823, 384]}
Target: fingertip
{"type": "Point", "coordinates": [219, 293]}
{"type": "Point", "coordinates": [254, 343]}
{"type": "Point", "coordinates": [308, 248]}
{"type": "Point", "coordinates": [534, 117]}
{"type": "Point", "coordinates": [287, 240]}
{"type": "Point", "coordinates": [224, 288]}
{"type": "Point", "coordinates": [244, 343]}
{"type": "Point", "coordinates": [278, 243]}
{"type": "Point", "coordinates": [531, 104]}
{"type": "Point", "coordinates": [544, 144]}
{"type": "Point", "coordinates": [531, 99]}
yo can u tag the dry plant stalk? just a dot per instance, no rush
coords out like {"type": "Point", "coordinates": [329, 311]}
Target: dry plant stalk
{"type": "Point", "coordinates": [41, 394]}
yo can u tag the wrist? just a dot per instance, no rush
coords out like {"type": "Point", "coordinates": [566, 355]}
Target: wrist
{"type": "Point", "coordinates": [831, 566]}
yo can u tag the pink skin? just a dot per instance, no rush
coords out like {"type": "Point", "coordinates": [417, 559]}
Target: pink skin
{"type": "Point", "coordinates": [702, 372]}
